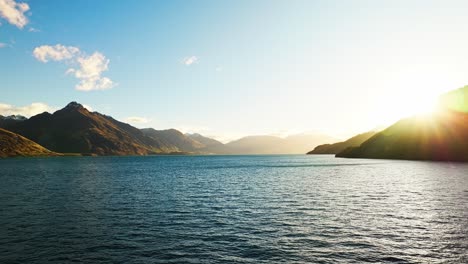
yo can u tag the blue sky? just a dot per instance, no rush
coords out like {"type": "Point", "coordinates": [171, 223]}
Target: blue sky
{"type": "Point", "coordinates": [258, 67]}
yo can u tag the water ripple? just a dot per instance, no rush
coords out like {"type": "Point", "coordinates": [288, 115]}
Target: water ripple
{"type": "Point", "coordinates": [232, 209]}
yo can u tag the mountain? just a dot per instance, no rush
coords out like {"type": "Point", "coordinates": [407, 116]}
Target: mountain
{"type": "Point", "coordinates": [442, 136]}
{"type": "Point", "coordinates": [13, 145]}
{"type": "Point", "coordinates": [210, 146]}
{"type": "Point", "coordinates": [9, 120]}
{"type": "Point", "coordinates": [295, 144]}
{"type": "Point", "coordinates": [335, 148]}
{"type": "Point", "coordinates": [74, 129]}
{"type": "Point", "coordinates": [206, 141]}
{"type": "Point", "coordinates": [255, 145]}
{"type": "Point", "coordinates": [301, 143]}
{"type": "Point", "coordinates": [174, 139]}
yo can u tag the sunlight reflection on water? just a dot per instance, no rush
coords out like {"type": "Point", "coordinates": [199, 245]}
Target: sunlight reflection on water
{"type": "Point", "coordinates": [245, 209]}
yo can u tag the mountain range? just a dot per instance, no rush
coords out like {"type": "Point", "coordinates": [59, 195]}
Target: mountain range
{"type": "Point", "coordinates": [74, 129]}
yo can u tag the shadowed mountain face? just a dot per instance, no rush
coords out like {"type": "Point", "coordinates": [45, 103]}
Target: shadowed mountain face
{"type": "Point", "coordinates": [336, 148]}
{"type": "Point", "coordinates": [13, 145]}
{"type": "Point", "coordinates": [443, 136]}
{"type": "Point", "coordinates": [74, 129]}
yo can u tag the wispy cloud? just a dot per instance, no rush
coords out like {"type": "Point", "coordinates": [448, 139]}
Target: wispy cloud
{"type": "Point", "coordinates": [190, 60]}
{"type": "Point", "coordinates": [136, 120]}
{"type": "Point", "coordinates": [13, 12]}
{"type": "Point", "coordinates": [31, 29]}
{"type": "Point", "coordinates": [87, 68]}
{"type": "Point", "coordinates": [28, 110]}
{"type": "Point", "coordinates": [3, 45]}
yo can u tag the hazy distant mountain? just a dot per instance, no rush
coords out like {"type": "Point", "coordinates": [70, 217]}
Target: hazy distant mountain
{"type": "Point", "coordinates": [301, 143]}
{"type": "Point", "coordinates": [12, 145]}
{"type": "Point", "coordinates": [255, 145]}
{"type": "Point", "coordinates": [296, 144]}
{"type": "Point", "coordinates": [74, 129]}
{"type": "Point", "coordinates": [174, 139]}
{"type": "Point", "coordinates": [206, 141]}
{"type": "Point", "coordinates": [443, 136]}
{"type": "Point", "coordinates": [210, 146]}
{"type": "Point", "coordinates": [336, 148]}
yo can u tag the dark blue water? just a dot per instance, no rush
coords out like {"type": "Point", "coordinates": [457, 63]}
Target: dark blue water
{"type": "Point", "coordinates": [232, 209]}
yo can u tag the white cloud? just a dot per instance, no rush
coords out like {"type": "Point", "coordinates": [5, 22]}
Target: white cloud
{"type": "Point", "coordinates": [190, 60]}
{"type": "Point", "coordinates": [3, 45]}
{"type": "Point", "coordinates": [219, 68]}
{"type": "Point", "coordinates": [56, 53]}
{"type": "Point", "coordinates": [136, 119]}
{"type": "Point", "coordinates": [28, 110]}
{"type": "Point", "coordinates": [14, 12]}
{"type": "Point", "coordinates": [88, 70]}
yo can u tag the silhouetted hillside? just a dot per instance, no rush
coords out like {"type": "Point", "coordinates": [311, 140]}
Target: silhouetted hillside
{"type": "Point", "coordinates": [443, 136]}
{"type": "Point", "coordinates": [336, 148]}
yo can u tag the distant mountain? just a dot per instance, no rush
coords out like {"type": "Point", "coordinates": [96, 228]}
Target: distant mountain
{"type": "Point", "coordinates": [13, 145]}
{"type": "Point", "coordinates": [336, 148]}
{"type": "Point", "coordinates": [74, 129]}
{"type": "Point", "coordinates": [174, 140]}
{"type": "Point", "coordinates": [210, 146]}
{"type": "Point", "coordinates": [9, 120]}
{"type": "Point", "coordinates": [295, 144]}
{"type": "Point", "coordinates": [301, 143]}
{"type": "Point", "coordinates": [442, 137]}
{"type": "Point", "coordinates": [206, 141]}
{"type": "Point", "coordinates": [255, 145]}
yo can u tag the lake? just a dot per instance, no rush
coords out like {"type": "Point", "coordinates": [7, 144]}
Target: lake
{"type": "Point", "coordinates": [232, 209]}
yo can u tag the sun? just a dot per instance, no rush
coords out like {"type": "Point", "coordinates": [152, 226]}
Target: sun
{"type": "Point", "coordinates": [420, 105]}
{"type": "Point", "coordinates": [403, 105]}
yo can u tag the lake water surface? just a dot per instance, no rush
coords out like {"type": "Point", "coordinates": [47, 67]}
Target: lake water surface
{"type": "Point", "coordinates": [232, 209]}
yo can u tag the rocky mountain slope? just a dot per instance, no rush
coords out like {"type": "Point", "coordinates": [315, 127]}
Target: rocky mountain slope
{"type": "Point", "coordinates": [13, 145]}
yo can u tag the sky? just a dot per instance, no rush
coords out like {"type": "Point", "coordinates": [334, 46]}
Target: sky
{"type": "Point", "coordinates": [234, 68]}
